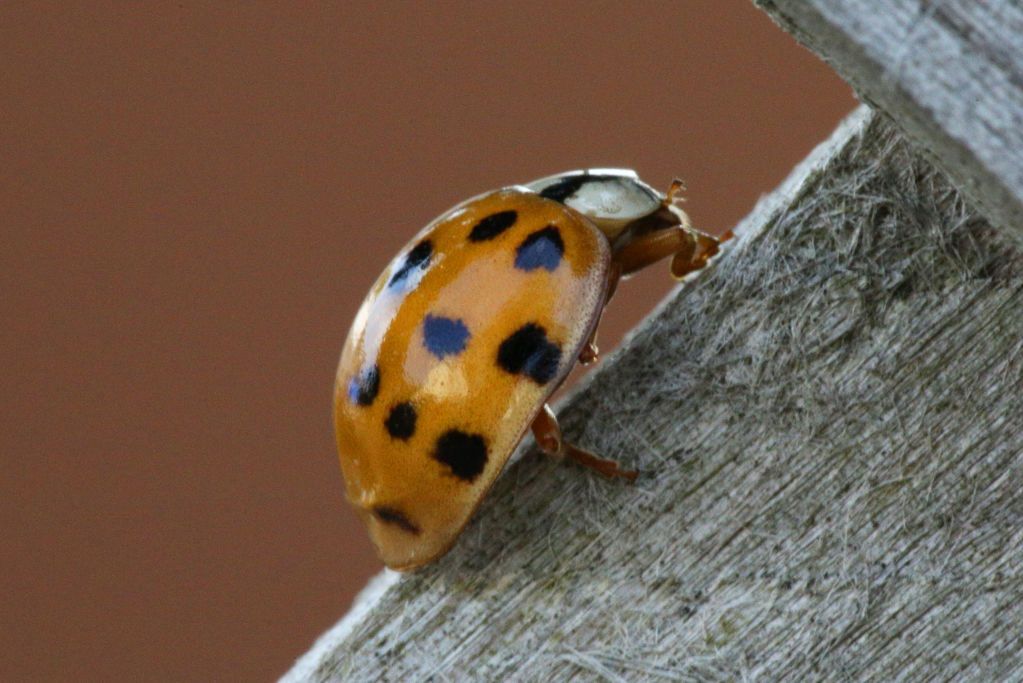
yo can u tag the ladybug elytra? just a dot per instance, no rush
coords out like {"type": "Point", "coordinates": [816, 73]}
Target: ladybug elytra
{"type": "Point", "coordinates": [463, 338]}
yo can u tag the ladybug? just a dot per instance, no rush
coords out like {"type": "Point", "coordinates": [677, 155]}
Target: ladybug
{"type": "Point", "coordinates": [470, 329]}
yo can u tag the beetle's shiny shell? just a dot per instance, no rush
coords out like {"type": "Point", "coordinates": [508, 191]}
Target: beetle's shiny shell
{"type": "Point", "coordinates": [460, 342]}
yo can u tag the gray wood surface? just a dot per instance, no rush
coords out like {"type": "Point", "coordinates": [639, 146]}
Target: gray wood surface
{"type": "Point", "coordinates": [830, 429]}
{"type": "Point", "coordinates": [949, 72]}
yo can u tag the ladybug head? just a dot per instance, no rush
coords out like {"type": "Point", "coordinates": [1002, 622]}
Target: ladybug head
{"type": "Point", "coordinates": [615, 200]}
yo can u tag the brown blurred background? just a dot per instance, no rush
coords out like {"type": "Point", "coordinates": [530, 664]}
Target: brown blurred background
{"type": "Point", "coordinates": [194, 199]}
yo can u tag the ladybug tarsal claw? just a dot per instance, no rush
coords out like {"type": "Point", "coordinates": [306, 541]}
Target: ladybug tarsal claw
{"type": "Point", "coordinates": [695, 254]}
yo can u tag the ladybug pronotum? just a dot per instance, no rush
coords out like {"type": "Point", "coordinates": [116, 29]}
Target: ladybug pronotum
{"type": "Point", "coordinates": [470, 329]}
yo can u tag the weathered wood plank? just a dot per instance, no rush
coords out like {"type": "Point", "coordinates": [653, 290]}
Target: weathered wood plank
{"type": "Point", "coordinates": [830, 431]}
{"type": "Point", "coordinates": [950, 72]}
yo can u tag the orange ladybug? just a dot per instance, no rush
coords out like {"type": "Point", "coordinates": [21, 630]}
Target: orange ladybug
{"type": "Point", "coordinates": [470, 329]}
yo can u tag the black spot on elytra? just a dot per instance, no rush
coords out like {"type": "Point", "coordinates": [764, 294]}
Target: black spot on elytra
{"type": "Point", "coordinates": [465, 454]}
{"type": "Point", "coordinates": [565, 188]}
{"type": "Point", "coordinates": [418, 257]}
{"type": "Point", "coordinates": [542, 249]}
{"type": "Point", "coordinates": [492, 226]}
{"type": "Point", "coordinates": [395, 517]}
{"type": "Point", "coordinates": [401, 422]}
{"type": "Point", "coordinates": [364, 388]}
{"type": "Point", "coordinates": [528, 352]}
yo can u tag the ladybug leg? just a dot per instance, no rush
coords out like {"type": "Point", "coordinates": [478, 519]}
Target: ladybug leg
{"type": "Point", "coordinates": [690, 250]}
{"type": "Point", "coordinates": [548, 438]}
{"type": "Point", "coordinates": [590, 353]}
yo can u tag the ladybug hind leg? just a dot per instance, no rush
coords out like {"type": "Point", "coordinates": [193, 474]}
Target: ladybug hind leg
{"type": "Point", "coordinates": [549, 439]}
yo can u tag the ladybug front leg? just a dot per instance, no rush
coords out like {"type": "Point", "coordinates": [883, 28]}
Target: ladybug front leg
{"type": "Point", "coordinates": [690, 250]}
{"type": "Point", "coordinates": [548, 438]}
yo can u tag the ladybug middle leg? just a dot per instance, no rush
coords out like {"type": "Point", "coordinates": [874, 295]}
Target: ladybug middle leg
{"type": "Point", "coordinates": [548, 438]}
{"type": "Point", "coordinates": [590, 353]}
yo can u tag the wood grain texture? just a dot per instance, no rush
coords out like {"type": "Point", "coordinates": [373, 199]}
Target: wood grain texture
{"type": "Point", "coordinates": [829, 425]}
{"type": "Point", "coordinates": [949, 72]}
